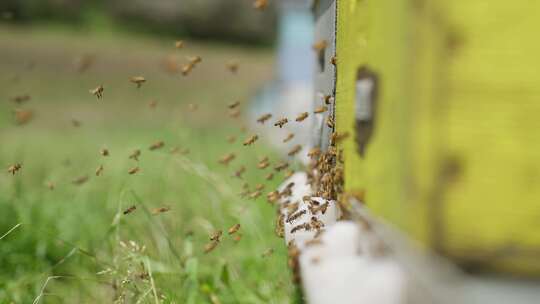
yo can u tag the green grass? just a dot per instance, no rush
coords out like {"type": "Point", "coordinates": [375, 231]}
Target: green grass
{"type": "Point", "coordinates": [74, 244]}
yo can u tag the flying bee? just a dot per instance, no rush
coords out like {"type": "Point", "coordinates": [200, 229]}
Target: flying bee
{"type": "Point", "coordinates": [269, 176]}
{"type": "Point", "coordinates": [294, 216]}
{"type": "Point", "coordinates": [281, 166]}
{"type": "Point", "coordinates": [260, 4]}
{"type": "Point", "coordinates": [330, 122]}
{"type": "Point", "coordinates": [138, 80]}
{"type": "Point", "coordinates": [234, 229]}
{"type": "Point", "coordinates": [156, 145]}
{"type": "Point", "coordinates": [179, 44]}
{"type": "Point", "coordinates": [22, 117]}
{"type": "Point", "coordinates": [336, 137]}
{"type": "Point", "coordinates": [98, 91]}
{"type": "Point", "coordinates": [234, 104]}
{"type": "Point", "coordinates": [231, 139]}
{"type": "Point", "coordinates": [259, 187]}
{"type": "Point", "coordinates": [226, 159]}
{"type": "Point", "coordinates": [314, 152]}
{"type": "Point", "coordinates": [135, 154]}
{"type": "Point", "coordinates": [159, 210]}
{"type": "Point", "coordinates": [152, 104]}
{"type": "Point", "coordinates": [280, 123]}
{"type": "Point", "coordinates": [80, 180]}
{"type": "Point", "coordinates": [184, 151]}
{"type": "Point", "coordinates": [289, 173]}
{"type": "Point", "coordinates": [104, 152]}
{"type": "Point", "coordinates": [20, 98]}
{"type": "Point", "coordinates": [234, 113]}
{"type": "Point", "coordinates": [328, 99]}
{"type": "Point", "coordinates": [14, 168]}
{"type": "Point", "coordinates": [268, 252]}
{"type": "Point", "coordinates": [194, 59]}
{"type": "Point", "coordinates": [255, 194]}
{"type": "Point", "coordinates": [130, 209]}
{"type": "Point", "coordinates": [263, 118]}
{"type": "Point", "coordinates": [320, 109]}
{"type": "Point", "coordinates": [210, 246]}
{"type": "Point", "coordinates": [216, 236]}
{"type": "Point", "coordinates": [193, 107]}
{"type": "Point", "coordinates": [304, 226]}
{"type": "Point", "coordinates": [263, 164]}
{"type": "Point", "coordinates": [75, 123]}
{"type": "Point", "coordinates": [99, 170]}
{"type": "Point", "coordinates": [186, 69]}
{"type": "Point", "coordinates": [238, 173]}
{"type": "Point", "coordinates": [250, 140]}
{"type": "Point", "coordinates": [133, 170]}
{"type": "Point", "coordinates": [302, 116]}
{"type": "Point", "coordinates": [232, 66]}
{"type": "Point", "coordinates": [320, 45]}
{"type": "Point", "coordinates": [289, 137]}
{"type": "Point", "coordinates": [50, 185]}
{"type": "Point", "coordinates": [295, 150]}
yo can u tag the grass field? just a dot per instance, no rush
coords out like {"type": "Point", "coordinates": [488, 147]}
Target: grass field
{"type": "Point", "coordinates": [74, 244]}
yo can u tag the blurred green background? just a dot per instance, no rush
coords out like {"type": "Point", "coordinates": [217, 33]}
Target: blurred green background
{"type": "Point", "coordinates": [74, 244]}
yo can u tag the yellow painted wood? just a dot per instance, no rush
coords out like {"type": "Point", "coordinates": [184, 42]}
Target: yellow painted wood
{"type": "Point", "coordinates": [455, 157]}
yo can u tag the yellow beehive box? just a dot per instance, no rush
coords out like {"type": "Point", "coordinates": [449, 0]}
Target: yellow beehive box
{"type": "Point", "coordinates": [443, 101]}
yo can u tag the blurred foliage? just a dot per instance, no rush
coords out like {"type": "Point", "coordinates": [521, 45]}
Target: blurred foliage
{"type": "Point", "coordinates": [231, 20]}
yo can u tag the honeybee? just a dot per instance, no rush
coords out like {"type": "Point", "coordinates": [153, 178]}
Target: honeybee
{"type": "Point", "coordinates": [259, 187]}
{"type": "Point", "coordinates": [330, 122]}
{"type": "Point", "coordinates": [272, 196]}
{"type": "Point", "coordinates": [328, 99]}
{"type": "Point", "coordinates": [231, 139]}
{"type": "Point", "coordinates": [216, 236]}
{"type": "Point", "coordinates": [23, 116]}
{"type": "Point", "coordinates": [320, 109]}
{"type": "Point", "coordinates": [130, 209]}
{"type": "Point", "coordinates": [20, 98]}
{"type": "Point", "coordinates": [263, 118]}
{"type": "Point", "coordinates": [75, 123]}
{"type": "Point", "coordinates": [193, 107]}
{"type": "Point", "coordinates": [14, 168]}
{"type": "Point", "coordinates": [250, 140]}
{"type": "Point", "coordinates": [304, 226]}
{"type": "Point", "coordinates": [260, 4]}
{"type": "Point", "coordinates": [138, 80]}
{"type": "Point", "coordinates": [234, 113]}
{"type": "Point", "coordinates": [227, 158]}
{"type": "Point", "coordinates": [302, 116]}
{"type": "Point", "coordinates": [135, 154]}
{"type": "Point", "coordinates": [255, 194]}
{"type": "Point", "coordinates": [210, 246]}
{"type": "Point", "coordinates": [295, 150]}
{"type": "Point", "coordinates": [133, 170]}
{"type": "Point", "coordinates": [314, 152]}
{"type": "Point", "coordinates": [234, 229]}
{"type": "Point", "coordinates": [279, 228]}
{"type": "Point", "coordinates": [98, 91]}
{"type": "Point", "coordinates": [289, 137]}
{"type": "Point", "coordinates": [156, 145]}
{"type": "Point", "coordinates": [152, 104]}
{"type": "Point", "coordinates": [104, 152]}
{"type": "Point", "coordinates": [268, 252]}
{"type": "Point", "coordinates": [194, 59]}
{"type": "Point", "coordinates": [281, 166]}
{"type": "Point", "coordinates": [320, 45]}
{"type": "Point", "coordinates": [294, 216]}
{"type": "Point", "coordinates": [186, 69]}
{"type": "Point", "coordinates": [50, 185]}
{"type": "Point", "coordinates": [80, 180]}
{"type": "Point", "coordinates": [99, 170]}
{"type": "Point", "coordinates": [179, 44]}
{"type": "Point", "coordinates": [238, 173]}
{"type": "Point", "coordinates": [234, 104]}
{"type": "Point", "coordinates": [333, 60]}
{"type": "Point", "coordinates": [232, 66]}
{"type": "Point", "coordinates": [289, 173]}
{"type": "Point", "coordinates": [269, 176]}
{"type": "Point", "coordinates": [338, 137]}
{"type": "Point", "coordinates": [159, 210]}
{"type": "Point", "coordinates": [316, 224]}
{"type": "Point", "coordinates": [280, 123]}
